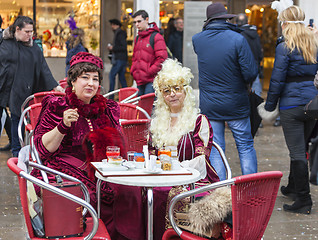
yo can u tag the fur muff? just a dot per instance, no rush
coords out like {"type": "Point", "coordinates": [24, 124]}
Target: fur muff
{"type": "Point", "coordinates": [266, 115]}
{"type": "Point", "coordinates": [212, 209]}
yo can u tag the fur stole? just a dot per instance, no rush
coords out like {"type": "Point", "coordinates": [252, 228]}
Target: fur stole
{"type": "Point", "coordinates": [93, 110]}
{"type": "Point", "coordinates": [95, 143]}
{"type": "Point", "coordinates": [9, 35]}
{"type": "Point", "coordinates": [212, 209]}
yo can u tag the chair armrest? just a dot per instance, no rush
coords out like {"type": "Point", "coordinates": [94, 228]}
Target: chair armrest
{"type": "Point", "coordinates": [68, 196]}
{"type": "Point", "coordinates": [192, 193]}
{"type": "Point", "coordinates": [130, 97]}
{"type": "Point", "coordinates": [143, 111]}
{"type": "Point", "coordinates": [224, 159]}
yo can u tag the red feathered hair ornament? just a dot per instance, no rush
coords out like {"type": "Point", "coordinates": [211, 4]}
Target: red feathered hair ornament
{"type": "Point", "coordinates": [95, 143]}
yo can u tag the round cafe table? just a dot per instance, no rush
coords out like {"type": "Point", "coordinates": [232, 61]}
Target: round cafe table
{"type": "Point", "coordinates": [148, 181]}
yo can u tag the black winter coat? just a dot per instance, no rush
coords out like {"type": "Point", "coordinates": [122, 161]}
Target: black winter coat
{"type": "Point", "coordinates": [120, 45]}
{"type": "Point", "coordinates": [175, 44]}
{"type": "Point", "coordinates": [23, 71]}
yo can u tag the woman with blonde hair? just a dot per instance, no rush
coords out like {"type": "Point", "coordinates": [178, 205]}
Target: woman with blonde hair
{"type": "Point", "coordinates": [292, 87]}
{"type": "Point", "coordinates": [178, 123]}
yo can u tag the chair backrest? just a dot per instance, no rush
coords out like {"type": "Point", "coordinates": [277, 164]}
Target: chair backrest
{"type": "Point", "coordinates": [29, 117]}
{"type": "Point", "coordinates": [253, 200]}
{"type": "Point", "coordinates": [38, 97]}
{"type": "Point", "coordinates": [124, 94]}
{"type": "Point", "coordinates": [136, 132]}
{"type": "Point", "coordinates": [131, 111]}
{"type": "Point", "coordinates": [63, 83]}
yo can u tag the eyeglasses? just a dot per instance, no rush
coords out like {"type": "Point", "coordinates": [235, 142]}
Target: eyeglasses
{"type": "Point", "coordinates": [168, 90]}
{"type": "Point", "coordinates": [138, 21]}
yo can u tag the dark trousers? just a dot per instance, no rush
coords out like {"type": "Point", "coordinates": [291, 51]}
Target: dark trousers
{"type": "Point", "coordinates": [15, 146]}
{"type": "Point", "coordinates": [119, 67]}
{"type": "Point", "coordinates": [145, 89]}
{"type": "Point", "coordinates": [297, 128]}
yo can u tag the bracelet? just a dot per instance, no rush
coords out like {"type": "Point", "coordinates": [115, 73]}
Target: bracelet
{"type": "Point", "coordinates": [62, 128]}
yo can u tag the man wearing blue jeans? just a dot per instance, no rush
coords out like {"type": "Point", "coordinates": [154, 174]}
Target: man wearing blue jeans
{"type": "Point", "coordinates": [226, 66]}
{"type": "Point", "coordinates": [119, 55]}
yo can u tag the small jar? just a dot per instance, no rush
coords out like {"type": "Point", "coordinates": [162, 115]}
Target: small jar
{"type": "Point", "coordinates": [165, 162]}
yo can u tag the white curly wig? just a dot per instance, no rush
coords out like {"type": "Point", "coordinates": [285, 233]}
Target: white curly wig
{"type": "Point", "coordinates": [171, 74]}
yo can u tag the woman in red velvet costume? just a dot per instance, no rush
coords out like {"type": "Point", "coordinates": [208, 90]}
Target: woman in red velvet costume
{"type": "Point", "coordinates": [84, 115]}
{"type": "Point", "coordinates": [177, 122]}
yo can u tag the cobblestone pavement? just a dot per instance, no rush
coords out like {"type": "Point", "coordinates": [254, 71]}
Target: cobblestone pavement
{"type": "Point", "coordinates": [272, 155]}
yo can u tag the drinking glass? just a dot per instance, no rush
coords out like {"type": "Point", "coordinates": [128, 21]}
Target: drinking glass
{"type": "Point", "coordinates": [112, 152]}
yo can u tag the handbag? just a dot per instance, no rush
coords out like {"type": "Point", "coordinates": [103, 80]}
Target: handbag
{"type": "Point", "coordinates": [62, 217]}
{"type": "Point", "coordinates": [311, 108]}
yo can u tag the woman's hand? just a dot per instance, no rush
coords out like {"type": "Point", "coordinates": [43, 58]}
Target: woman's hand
{"type": "Point", "coordinates": [69, 116]}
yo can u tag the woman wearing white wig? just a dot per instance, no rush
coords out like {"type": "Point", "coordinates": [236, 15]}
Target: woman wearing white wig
{"type": "Point", "coordinates": [177, 122]}
{"type": "Point", "coordinates": [292, 87]}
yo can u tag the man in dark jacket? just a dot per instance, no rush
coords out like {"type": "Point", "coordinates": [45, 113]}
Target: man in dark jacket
{"type": "Point", "coordinates": [254, 41]}
{"type": "Point", "coordinates": [23, 71]}
{"type": "Point", "coordinates": [150, 51]}
{"type": "Point", "coordinates": [175, 41]}
{"type": "Point", "coordinates": [119, 55]}
{"type": "Point", "coordinates": [226, 66]}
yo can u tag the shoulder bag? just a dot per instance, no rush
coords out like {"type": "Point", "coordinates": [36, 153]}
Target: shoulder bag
{"type": "Point", "coordinates": [311, 108]}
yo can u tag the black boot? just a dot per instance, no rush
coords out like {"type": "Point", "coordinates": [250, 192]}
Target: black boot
{"type": "Point", "coordinates": [289, 190]}
{"type": "Point", "coordinates": [303, 201]}
{"type": "Point", "coordinates": [6, 148]}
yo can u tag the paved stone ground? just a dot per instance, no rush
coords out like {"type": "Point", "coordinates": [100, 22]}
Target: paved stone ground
{"type": "Point", "coordinates": [272, 155]}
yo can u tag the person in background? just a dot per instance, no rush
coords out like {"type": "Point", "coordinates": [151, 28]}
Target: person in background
{"type": "Point", "coordinates": [149, 52]}
{"type": "Point", "coordinates": [177, 122]}
{"type": "Point", "coordinates": [119, 55]}
{"type": "Point", "coordinates": [175, 41]}
{"type": "Point", "coordinates": [23, 71]}
{"type": "Point", "coordinates": [226, 65]}
{"type": "Point", "coordinates": [7, 124]}
{"type": "Point", "coordinates": [254, 41]}
{"type": "Point", "coordinates": [169, 30]}
{"type": "Point", "coordinates": [74, 45]}
{"type": "Point", "coordinates": [291, 86]}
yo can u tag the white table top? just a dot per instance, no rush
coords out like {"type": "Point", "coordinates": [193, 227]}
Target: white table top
{"type": "Point", "coordinates": [153, 181]}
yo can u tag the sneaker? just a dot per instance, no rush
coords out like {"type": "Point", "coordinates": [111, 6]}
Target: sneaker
{"type": "Point", "coordinates": [277, 123]}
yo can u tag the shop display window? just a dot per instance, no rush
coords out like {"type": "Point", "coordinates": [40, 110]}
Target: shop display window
{"type": "Point", "coordinates": [51, 25]}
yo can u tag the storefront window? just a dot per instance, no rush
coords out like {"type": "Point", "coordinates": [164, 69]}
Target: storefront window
{"type": "Point", "coordinates": [51, 17]}
{"type": "Point", "coordinates": [53, 29]}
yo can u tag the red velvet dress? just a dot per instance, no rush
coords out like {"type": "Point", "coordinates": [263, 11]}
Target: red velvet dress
{"type": "Point", "coordinates": [195, 143]}
{"type": "Point", "coordinates": [121, 206]}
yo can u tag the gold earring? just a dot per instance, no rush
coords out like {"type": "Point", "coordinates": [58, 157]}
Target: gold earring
{"type": "Point", "coordinates": [73, 89]}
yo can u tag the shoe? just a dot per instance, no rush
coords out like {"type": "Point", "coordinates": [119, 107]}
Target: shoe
{"type": "Point", "coordinates": [6, 148]}
{"type": "Point", "coordinates": [277, 123]}
{"type": "Point", "coordinates": [299, 206]}
{"type": "Point", "coordinates": [288, 192]}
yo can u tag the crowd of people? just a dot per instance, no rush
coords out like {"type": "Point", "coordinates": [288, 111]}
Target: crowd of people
{"type": "Point", "coordinates": [229, 63]}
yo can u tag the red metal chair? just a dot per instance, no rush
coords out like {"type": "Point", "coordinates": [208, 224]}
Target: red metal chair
{"type": "Point", "coordinates": [63, 83]}
{"type": "Point", "coordinates": [253, 200]}
{"type": "Point", "coordinates": [131, 111]}
{"type": "Point", "coordinates": [124, 94]}
{"type": "Point", "coordinates": [38, 97]}
{"type": "Point", "coordinates": [136, 132]}
{"type": "Point", "coordinates": [29, 117]}
{"type": "Point", "coordinates": [95, 228]}
{"type": "Point", "coordinates": [144, 101]}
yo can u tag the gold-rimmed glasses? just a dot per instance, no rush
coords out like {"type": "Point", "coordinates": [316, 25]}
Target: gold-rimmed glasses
{"type": "Point", "coordinates": [169, 89]}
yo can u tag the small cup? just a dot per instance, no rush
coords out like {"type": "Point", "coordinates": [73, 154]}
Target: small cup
{"type": "Point", "coordinates": [139, 160]}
